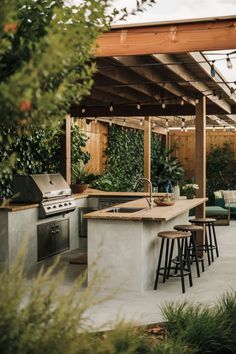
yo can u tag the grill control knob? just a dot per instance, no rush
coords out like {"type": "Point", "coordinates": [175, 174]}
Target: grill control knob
{"type": "Point", "coordinates": [65, 204]}
{"type": "Point", "coordinates": [54, 206]}
{"type": "Point", "coordinates": [69, 203]}
{"type": "Point", "coordinates": [60, 205]}
{"type": "Point", "coordinates": [48, 208]}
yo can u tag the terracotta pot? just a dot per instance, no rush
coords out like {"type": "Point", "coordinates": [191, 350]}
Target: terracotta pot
{"type": "Point", "coordinates": [78, 188]}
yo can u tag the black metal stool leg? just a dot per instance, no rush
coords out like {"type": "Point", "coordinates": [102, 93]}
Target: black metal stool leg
{"type": "Point", "coordinates": [166, 261]}
{"type": "Point", "coordinates": [193, 240]}
{"type": "Point", "coordinates": [188, 263]}
{"type": "Point", "coordinates": [181, 266]}
{"type": "Point", "coordinates": [211, 243]}
{"type": "Point", "coordinates": [207, 248]}
{"type": "Point", "coordinates": [215, 239]}
{"type": "Point", "coordinates": [159, 264]}
{"type": "Point", "coordinates": [170, 257]}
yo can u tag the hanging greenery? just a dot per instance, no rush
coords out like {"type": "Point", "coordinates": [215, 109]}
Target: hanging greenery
{"type": "Point", "coordinates": [125, 156]}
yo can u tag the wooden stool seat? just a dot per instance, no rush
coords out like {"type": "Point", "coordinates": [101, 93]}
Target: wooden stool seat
{"type": "Point", "coordinates": [188, 227]}
{"type": "Point", "coordinates": [182, 266]}
{"type": "Point", "coordinates": [202, 220]}
{"type": "Point", "coordinates": [174, 235]}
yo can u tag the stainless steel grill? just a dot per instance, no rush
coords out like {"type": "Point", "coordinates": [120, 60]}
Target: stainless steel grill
{"type": "Point", "coordinates": [49, 190]}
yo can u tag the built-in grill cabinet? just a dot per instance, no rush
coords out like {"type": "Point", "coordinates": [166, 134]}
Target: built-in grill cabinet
{"type": "Point", "coordinates": [53, 238]}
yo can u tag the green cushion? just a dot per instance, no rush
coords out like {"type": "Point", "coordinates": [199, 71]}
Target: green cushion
{"type": "Point", "coordinates": [216, 210]}
{"type": "Point", "coordinates": [232, 206]}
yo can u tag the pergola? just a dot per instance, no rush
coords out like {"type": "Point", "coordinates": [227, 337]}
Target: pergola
{"type": "Point", "coordinates": [156, 75]}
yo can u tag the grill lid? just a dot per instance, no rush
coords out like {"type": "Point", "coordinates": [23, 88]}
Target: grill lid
{"type": "Point", "coordinates": [36, 188]}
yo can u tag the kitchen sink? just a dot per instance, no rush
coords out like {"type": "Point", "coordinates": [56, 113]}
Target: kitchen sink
{"type": "Point", "coordinates": [123, 210]}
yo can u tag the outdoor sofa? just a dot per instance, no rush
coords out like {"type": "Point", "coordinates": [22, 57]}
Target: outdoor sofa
{"type": "Point", "coordinates": [224, 208]}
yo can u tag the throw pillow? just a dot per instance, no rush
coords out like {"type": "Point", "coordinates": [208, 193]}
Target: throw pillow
{"type": "Point", "coordinates": [229, 196]}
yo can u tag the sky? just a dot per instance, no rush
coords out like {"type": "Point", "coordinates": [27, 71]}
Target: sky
{"type": "Point", "coordinates": [165, 10]}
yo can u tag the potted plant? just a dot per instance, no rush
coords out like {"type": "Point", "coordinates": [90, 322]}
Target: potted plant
{"type": "Point", "coordinates": [189, 190]}
{"type": "Point", "coordinates": [80, 178]}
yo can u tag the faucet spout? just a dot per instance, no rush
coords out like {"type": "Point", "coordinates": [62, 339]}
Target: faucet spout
{"type": "Point", "coordinates": [149, 200]}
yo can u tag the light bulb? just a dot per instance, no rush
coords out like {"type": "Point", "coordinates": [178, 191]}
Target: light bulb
{"type": "Point", "coordinates": [95, 120]}
{"type": "Point", "coordinates": [163, 105]}
{"type": "Point", "coordinates": [213, 128]}
{"type": "Point", "coordinates": [224, 128]}
{"type": "Point", "coordinates": [83, 110]}
{"type": "Point", "coordinates": [196, 100]}
{"type": "Point", "coordinates": [141, 122]}
{"type": "Point", "coordinates": [182, 101]}
{"type": "Point", "coordinates": [213, 70]}
{"type": "Point", "coordinates": [183, 123]}
{"type": "Point", "coordinates": [110, 122]}
{"type": "Point", "coordinates": [153, 124]}
{"type": "Point", "coordinates": [167, 123]}
{"type": "Point", "coordinates": [124, 121]}
{"type": "Point", "coordinates": [138, 106]}
{"type": "Point", "coordinates": [229, 62]}
{"type": "Point", "coordinates": [111, 108]}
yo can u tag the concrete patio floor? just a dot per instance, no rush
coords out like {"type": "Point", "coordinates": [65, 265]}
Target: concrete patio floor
{"type": "Point", "coordinates": [145, 308]}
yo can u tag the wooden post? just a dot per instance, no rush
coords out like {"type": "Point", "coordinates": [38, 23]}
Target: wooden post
{"type": "Point", "coordinates": [200, 154]}
{"type": "Point", "coordinates": [65, 151]}
{"type": "Point", "coordinates": [147, 151]}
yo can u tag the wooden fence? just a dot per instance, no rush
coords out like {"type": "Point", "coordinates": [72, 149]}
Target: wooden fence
{"type": "Point", "coordinates": [96, 144]}
{"type": "Point", "coordinates": [186, 146]}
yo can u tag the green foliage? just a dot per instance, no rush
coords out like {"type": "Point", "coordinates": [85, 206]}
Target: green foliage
{"type": "Point", "coordinates": [204, 329]}
{"type": "Point", "coordinates": [125, 161]}
{"type": "Point", "coordinates": [220, 170]}
{"type": "Point", "coordinates": [36, 152]}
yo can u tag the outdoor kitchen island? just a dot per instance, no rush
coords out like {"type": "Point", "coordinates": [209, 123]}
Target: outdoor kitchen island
{"type": "Point", "coordinates": [123, 244]}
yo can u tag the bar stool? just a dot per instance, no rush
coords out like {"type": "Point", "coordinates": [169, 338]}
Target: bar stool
{"type": "Point", "coordinates": [181, 238]}
{"type": "Point", "coordinates": [211, 243]}
{"type": "Point", "coordinates": [194, 257]}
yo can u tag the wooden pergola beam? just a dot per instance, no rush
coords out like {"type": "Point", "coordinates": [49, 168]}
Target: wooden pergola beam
{"type": "Point", "coordinates": [211, 34]}
{"type": "Point", "coordinates": [65, 150]}
{"type": "Point", "coordinates": [147, 151]}
{"type": "Point", "coordinates": [200, 154]}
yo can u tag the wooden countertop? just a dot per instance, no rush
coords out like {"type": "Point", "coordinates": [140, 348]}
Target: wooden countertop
{"type": "Point", "coordinates": [11, 207]}
{"type": "Point", "coordinates": [158, 213]}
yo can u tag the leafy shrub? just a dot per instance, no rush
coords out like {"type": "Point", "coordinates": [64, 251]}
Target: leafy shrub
{"type": "Point", "coordinates": [220, 171]}
{"type": "Point", "coordinates": [204, 329]}
{"type": "Point", "coordinates": [35, 153]}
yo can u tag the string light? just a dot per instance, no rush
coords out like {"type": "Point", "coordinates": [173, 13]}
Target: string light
{"type": "Point", "coordinates": [232, 90]}
{"type": "Point", "coordinates": [213, 128]}
{"type": "Point", "coordinates": [95, 120]}
{"type": "Point", "coordinates": [167, 123]}
{"type": "Point", "coordinates": [111, 108]}
{"type": "Point", "coordinates": [141, 122]}
{"type": "Point", "coordinates": [83, 110]}
{"type": "Point", "coordinates": [163, 105]}
{"type": "Point", "coordinates": [196, 100]}
{"type": "Point", "coordinates": [183, 124]}
{"type": "Point", "coordinates": [213, 70]}
{"type": "Point", "coordinates": [124, 121]}
{"type": "Point", "coordinates": [224, 128]}
{"type": "Point", "coordinates": [229, 62]}
{"type": "Point", "coordinates": [214, 95]}
{"type": "Point", "coordinates": [110, 122]}
{"type": "Point", "coordinates": [153, 125]}
{"type": "Point", "coordinates": [138, 106]}
{"type": "Point", "coordinates": [182, 101]}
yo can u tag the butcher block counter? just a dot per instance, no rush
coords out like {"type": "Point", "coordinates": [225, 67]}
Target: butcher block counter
{"type": "Point", "coordinates": [158, 213]}
{"type": "Point", "coordinates": [124, 246]}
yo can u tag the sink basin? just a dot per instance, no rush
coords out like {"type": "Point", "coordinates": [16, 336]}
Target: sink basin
{"type": "Point", "coordinates": [123, 210]}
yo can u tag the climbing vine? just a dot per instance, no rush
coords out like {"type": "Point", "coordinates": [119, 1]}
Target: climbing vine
{"type": "Point", "coordinates": [124, 154]}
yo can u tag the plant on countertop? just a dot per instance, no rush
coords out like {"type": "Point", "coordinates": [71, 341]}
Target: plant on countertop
{"type": "Point", "coordinates": [80, 176]}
